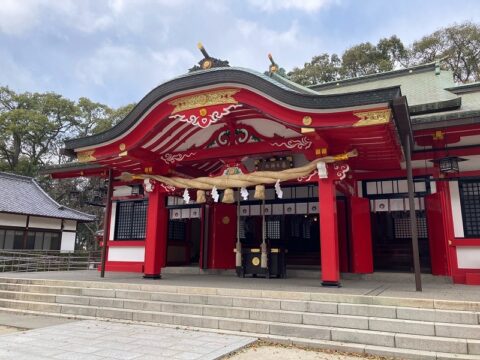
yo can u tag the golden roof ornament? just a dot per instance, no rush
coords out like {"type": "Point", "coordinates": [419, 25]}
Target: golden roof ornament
{"type": "Point", "coordinates": [207, 62]}
{"type": "Point", "coordinates": [273, 68]}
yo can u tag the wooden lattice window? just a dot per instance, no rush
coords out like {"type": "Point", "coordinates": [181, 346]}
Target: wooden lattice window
{"type": "Point", "coordinates": [403, 229]}
{"type": "Point", "coordinates": [273, 229]}
{"type": "Point", "coordinates": [131, 220]}
{"type": "Point", "coordinates": [177, 230]}
{"type": "Point", "coordinates": [470, 200]}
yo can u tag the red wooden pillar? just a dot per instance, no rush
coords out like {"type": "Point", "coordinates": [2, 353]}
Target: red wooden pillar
{"type": "Point", "coordinates": [361, 236]}
{"type": "Point", "coordinates": [156, 237]}
{"type": "Point", "coordinates": [328, 233]}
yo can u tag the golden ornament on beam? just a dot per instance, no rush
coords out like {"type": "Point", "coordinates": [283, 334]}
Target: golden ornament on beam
{"type": "Point", "coordinates": [201, 199]}
{"type": "Point", "coordinates": [259, 192]}
{"type": "Point", "coordinates": [228, 197]}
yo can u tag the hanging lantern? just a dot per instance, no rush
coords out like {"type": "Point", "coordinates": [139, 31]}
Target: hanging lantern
{"type": "Point", "coordinates": [228, 197]}
{"type": "Point", "coordinates": [201, 199]}
{"type": "Point", "coordinates": [449, 164]}
{"type": "Point", "coordinates": [259, 192]}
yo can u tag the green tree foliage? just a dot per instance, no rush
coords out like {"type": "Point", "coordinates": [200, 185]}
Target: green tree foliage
{"type": "Point", "coordinates": [33, 127]}
{"type": "Point", "coordinates": [322, 68]}
{"type": "Point", "coordinates": [458, 47]}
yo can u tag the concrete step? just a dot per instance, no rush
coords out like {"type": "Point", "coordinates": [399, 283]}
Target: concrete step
{"type": "Point", "coordinates": [422, 303]}
{"type": "Point", "coordinates": [255, 313]}
{"type": "Point", "coordinates": [76, 295]}
{"type": "Point", "coordinates": [358, 336]}
{"type": "Point", "coordinates": [308, 343]}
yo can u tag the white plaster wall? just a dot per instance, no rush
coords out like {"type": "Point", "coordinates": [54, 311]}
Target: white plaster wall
{"type": "Point", "coordinates": [433, 187]}
{"type": "Point", "coordinates": [70, 225]}
{"type": "Point", "coordinates": [13, 220]}
{"type": "Point", "coordinates": [122, 191]}
{"type": "Point", "coordinates": [359, 189]}
{"type": "Point", "coordinates": [68, 241]}
{"type": "Point", "coordinates": [126, 253]}
{"type": "Point", "coordinates": [112, 221]}
{"type": "Point", "coordinates": [456, 209]}
{"type": "Point", "coordinates": [45, 223]}
{"type": "Point", "coordinates": [468, 257]}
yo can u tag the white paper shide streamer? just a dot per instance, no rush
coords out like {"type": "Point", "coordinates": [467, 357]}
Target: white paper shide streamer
{"type": "Point", "coordinates": [244, 193]}
{"type": "Point", "coordinates": [215, 194]}
{"type": "Point", "coordinates": [278, 189]}
{"type": "Point", "coordinates": [186, 196]}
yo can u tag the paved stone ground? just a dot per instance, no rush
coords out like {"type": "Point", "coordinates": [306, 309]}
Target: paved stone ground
{"type": "Point", "coordinates": [101, 340]}
{"type": "Point", "coordinates": [282, 353]}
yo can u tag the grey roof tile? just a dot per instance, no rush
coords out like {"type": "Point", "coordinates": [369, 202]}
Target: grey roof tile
{"type": "Point", "coordinates": [23, 195]}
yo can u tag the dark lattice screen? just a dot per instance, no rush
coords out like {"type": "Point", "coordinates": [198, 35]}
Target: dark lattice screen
{"type": "Point", "coordinates": [131, 220]}
{"type": "Point", "coordinates": [176, 230]}
{"type": "Point", "coordinates": [241, 229]}
{"type": "Point", "coordinates": [306, 229]}
{"type": "Point", "coordinates": [403, 230]}
{"type": "Point", "coordinates": [273, 229]}
{"type": "Point", "coordinates": [470, 199]}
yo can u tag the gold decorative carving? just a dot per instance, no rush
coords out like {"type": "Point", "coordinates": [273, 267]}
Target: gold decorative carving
{"type": "Point", "coordinates": [226, 220]}
{"type": "Point", "coordinates": [86, 156]}
{"type": "Point", "coordinates": [376, 117]}
{"type": "Point", "coordinates": [438, 135]}
{"type": "Point", "coordinates": [305, 130]}
{"type": "Point", "coordinates": [207, 64]}
{"type": "Point", "coordinates": [307, 120]}
{"type": "Point", "coordinates": [122, 147]}
{"type": "Point", "coordinates": [205, 99]}
{"type": "Point", "coordinates": [255, 261]}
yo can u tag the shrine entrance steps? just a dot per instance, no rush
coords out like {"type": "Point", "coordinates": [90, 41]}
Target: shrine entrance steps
{"type": "Point", "coordinates": [406, 328]}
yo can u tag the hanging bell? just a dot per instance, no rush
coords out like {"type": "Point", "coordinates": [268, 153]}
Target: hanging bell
{"type": "Point", "coordinates": [228, 197]}
{"type": "Point", "coordinates": [259, 192]}
{"type": "Point", "coordinates": [201, 199]}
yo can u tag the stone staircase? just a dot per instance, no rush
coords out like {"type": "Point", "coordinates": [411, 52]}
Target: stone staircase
{"type": "Point", "coordinates": [405, 328]}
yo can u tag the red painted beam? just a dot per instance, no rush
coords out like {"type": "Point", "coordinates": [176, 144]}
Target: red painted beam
{"type": "Point", "coordinates": [451, 151]}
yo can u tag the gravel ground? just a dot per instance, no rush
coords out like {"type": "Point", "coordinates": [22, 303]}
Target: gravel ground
{"type": "Point", "coordinates": [267, 351]}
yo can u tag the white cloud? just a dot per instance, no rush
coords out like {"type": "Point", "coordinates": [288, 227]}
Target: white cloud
{"type": "Point", "coordinates": [253, 41]}
{"type": "Point", "coordinates": [16, 76]}
{"type": "Point", "coordinates": [129, 69]}
{"type": "Point", "coordinates": [16, 17]}
{"type": "Point", "coordinates": [301, 5]}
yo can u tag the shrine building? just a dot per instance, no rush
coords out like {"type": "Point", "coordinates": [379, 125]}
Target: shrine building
{"type": "Point", "coordinates": [229, 168]}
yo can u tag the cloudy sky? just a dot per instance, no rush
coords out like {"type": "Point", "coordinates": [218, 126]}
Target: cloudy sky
{"type": "Point", "coordinates": [115, 51]}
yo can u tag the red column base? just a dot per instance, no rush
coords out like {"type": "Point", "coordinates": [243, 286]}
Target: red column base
{"type": "Point", "coordinates": [152, 277]}
{"type": "Point", "coordinates": [331, 284]}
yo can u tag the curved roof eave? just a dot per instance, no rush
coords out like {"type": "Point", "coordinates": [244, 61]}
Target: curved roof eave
{"type": "Point", "coordinates": [238, 76]}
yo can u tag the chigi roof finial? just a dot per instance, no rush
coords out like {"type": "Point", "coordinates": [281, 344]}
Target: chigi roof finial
{"type": "Point", "coordinates": [208, 62]}
{"type": "Point", "coordinates": [273, 68]}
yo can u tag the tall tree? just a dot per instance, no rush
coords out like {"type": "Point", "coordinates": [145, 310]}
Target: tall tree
{"type": "Point", "coordinates": [31, 126]}
{"type": "Point", "coordinates": [458, 46]}
{"type": "Point", "coordinates": [322, 68]}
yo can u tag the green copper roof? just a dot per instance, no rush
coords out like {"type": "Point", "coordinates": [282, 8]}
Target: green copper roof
{"type": "Point", "coordinates": [422, 84]}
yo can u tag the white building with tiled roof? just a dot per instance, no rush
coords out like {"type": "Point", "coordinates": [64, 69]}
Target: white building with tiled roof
{"type": "Point", "coordinates": [30, 219]}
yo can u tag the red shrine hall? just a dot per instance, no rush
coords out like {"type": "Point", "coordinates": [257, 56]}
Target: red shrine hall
{"type": "Point", "coordinates": [228, 168]}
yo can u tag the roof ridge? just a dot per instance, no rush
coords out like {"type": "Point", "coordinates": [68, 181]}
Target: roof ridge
{"type": "Point", "coordinates": [368, 77]}
{"type": "Point", "coordinates": [59, 206]}
{"type": "Point", "coordinates": [15, 176]}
